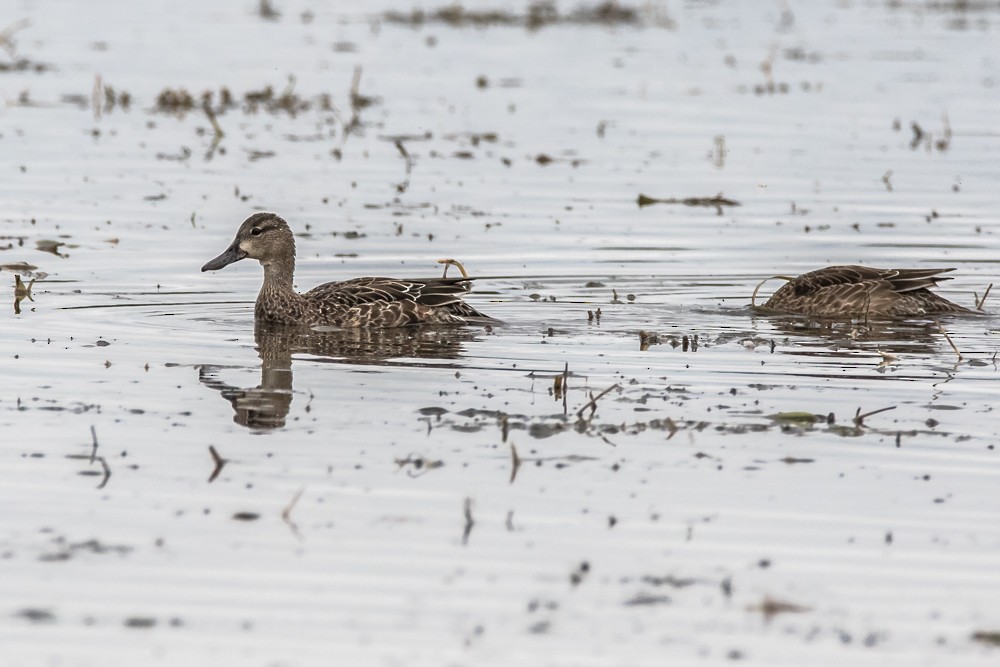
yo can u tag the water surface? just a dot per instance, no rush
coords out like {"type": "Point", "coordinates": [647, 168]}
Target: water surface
{"type": "Point", "coordinates": [702, 484]}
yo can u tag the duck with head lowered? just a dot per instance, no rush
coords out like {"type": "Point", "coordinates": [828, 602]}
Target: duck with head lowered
{"type": "Point", "coordinates": [361, 302]}
{"type": "Point", "coordinates": [838, 292]}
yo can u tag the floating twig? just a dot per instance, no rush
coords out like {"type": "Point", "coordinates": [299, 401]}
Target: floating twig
{"type": "Point", "coordinates": [716, 202]}
{"type": "Point", "coordinates": [671, 427]}
{"type": "Point", "coordinates": [402, 187]}
{"type": "Point", "coordinates": [859, 419]}
{"type": "Point", "coordinates": [565, 386]}
{"type": "Point", "coordinates": [918, 134]}
{"type": "Point", "coordinates": [515, 462]}
{"type": "Point", "coordinates": [93, 450]}
{"type": "Point", "coordinates": [420, 464]}
{"type": "Point", "coordinates": [948, 338]}
{"type": "Point", "coordinates": [469, 522]}
{"type": "Point", "coordinates": [592, 403]}
{"type": "Point", "coordinates": [107, 472]}
{"type": "Point", "coordinates": [207, 108]}
{"type": "Point", "coordinates": [979, 302]}
{"type": "Point", "coordinates": [287, 513]}
{"type": "Point", "coordinates": [217, 132]}
{"type": "Point", "coordinates": [886, 179]}
{"type": "Point", "coordinates": [358, 102]}
{"type": "Point", "coordinates": [219, 463]}
{"type": "Point", "coordinates": [771, 607]}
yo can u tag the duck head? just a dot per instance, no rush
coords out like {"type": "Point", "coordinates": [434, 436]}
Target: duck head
{"type": "Point", "coordinates": [264, 237]}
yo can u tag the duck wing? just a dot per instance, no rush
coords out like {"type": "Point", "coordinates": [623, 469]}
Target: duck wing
{"type": "Point", "coordinates": [391, 302]}
{"type": "Point", "coordinates": [434, 292]}
{"type": "Point", "coordinates": [909, 280]}
{"type": "Point", "coordinates": [896, 280]}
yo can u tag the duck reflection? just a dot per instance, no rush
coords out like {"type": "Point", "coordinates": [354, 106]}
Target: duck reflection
{"type": "Point", "coordinates": [893, 337]}
{"type": "Point", "coordinates": [266, 406]}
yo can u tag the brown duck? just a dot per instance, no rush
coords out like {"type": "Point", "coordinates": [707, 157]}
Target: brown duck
{"type": "Point", "coordinates": [361, 302]}
{"type": "Point", "coordinates": [863, 291]}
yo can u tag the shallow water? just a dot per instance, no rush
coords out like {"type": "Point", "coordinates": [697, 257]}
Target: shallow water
{"type": "Point", "coordinates": [707, 485]}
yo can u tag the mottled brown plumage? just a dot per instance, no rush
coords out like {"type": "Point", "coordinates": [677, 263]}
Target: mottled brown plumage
{"type": "Point", "coordinates": [862, 291]}
{"type": "Point", "coordinates": [361, 302]}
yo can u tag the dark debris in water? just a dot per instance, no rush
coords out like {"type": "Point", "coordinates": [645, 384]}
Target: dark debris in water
{"type": "Point", "coordinates": [24, 65]}
{"type": "Point", "coordinates": [716, 202]}
{"type": "Point", "coordinates": [36, 615]}
{"type": "Point", "coordinates": [771, 607]}
{"type": "Point", "coordinates": [67, 551]}
{"type": "Point", "coordinates": [418, 465]}
{"type": "Point", "coordinates": [988, 637]}
{"type": "Point", "coordinates": [647, 600]}
{"type": "Point", "coordinates": [539, 14]}
{"type": "Point", "coordinates": [177, 101]}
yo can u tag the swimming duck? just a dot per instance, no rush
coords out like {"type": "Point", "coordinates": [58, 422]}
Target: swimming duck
{"type": "Point", "coordinates": [863, 291]}
{"type": "Point", "coordinates": [361, 302]}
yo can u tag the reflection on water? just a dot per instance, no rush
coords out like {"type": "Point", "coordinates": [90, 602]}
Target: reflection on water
{"type": "Point", "coordinates": [892, 337]}
{"type": "Point", "coordinates": [22, 292]}
{"type": "Point", "coordinates": [266, 406]}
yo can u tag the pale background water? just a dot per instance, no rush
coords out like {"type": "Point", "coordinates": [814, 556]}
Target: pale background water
{"type": "Point", "coordinates": [660, 531]}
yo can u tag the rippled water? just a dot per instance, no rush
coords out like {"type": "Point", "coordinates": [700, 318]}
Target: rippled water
{"type": "Point", "coordinates": [678, 478]}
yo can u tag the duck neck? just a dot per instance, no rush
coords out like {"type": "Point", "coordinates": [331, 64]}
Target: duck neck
{"type": "Point", "coordinates": [278, 302]}
{"type": "Point", "coordinates": [278, 275]}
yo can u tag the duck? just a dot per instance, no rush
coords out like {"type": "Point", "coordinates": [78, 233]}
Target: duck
{"type": "Point", "coordinates": [360, 302]}
{"type": "Point", "coordinates": [863, 292]}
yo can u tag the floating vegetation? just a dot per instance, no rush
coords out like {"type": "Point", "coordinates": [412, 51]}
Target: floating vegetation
{"type": "Point", "coordinates": [539, 14]}
{"type": "Point", "coordinates": [104, 98]}
{"type": "Point", "coordinates": [418, 465]}
{"type": "Point", "coordinates": [24, 65]}
{"type": "Point", "coordinates": [988, 637]}
{"type": "Point", "coordinates": [646, 600]}
{"type": "Point", "coordinates": [51, 246]}
{"type": "Point", "coordinates": [922, 137]}
{"type": "Point", "coordinates": [800, 418]}
{"type": "Point", "coordinates": [716, 202]}
{"type": "Point", "coordinates": [178, 101]}
{"type": "Point", "coordinates": [17, 63]}
{"type": "Point", "coordinates": [67, 551]}
{"type": "Point", "coordinates": [771, 607]}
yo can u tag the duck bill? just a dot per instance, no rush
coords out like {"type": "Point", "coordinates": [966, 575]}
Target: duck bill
{"type": "Point", "coordinates": [232, 254]}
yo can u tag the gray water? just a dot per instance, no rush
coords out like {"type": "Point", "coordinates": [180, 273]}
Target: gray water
{"type": "Point", "coordinates": [708, 485]}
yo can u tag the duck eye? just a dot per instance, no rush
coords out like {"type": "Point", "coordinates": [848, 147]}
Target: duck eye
{"type": "Point", "coordinates": [256, 231]}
